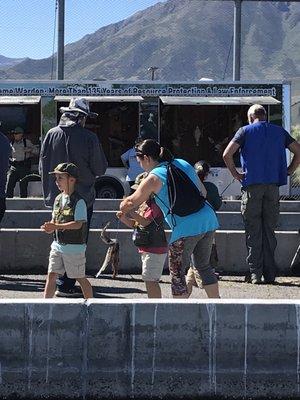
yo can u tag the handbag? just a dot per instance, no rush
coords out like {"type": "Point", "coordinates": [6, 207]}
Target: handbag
{"type": "Point", "coordinates": [141, 237]}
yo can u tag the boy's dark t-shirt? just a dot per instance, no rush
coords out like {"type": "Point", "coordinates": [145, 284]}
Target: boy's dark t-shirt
{"type": "Point", "coordinates": [212, 196]}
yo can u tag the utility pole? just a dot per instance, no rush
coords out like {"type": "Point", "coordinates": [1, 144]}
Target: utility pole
{"type": "Point", "coordinates": [237, 18]}
{"type": "Point", "coordinates": [152, 70]}
{"type": "Point", "coordinates": [237, 34]}
{"type": "Point", "coordinates": [60, 39]}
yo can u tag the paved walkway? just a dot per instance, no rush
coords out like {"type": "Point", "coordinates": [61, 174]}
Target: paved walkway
{"type": "Point", "coordinates": [131, 286]}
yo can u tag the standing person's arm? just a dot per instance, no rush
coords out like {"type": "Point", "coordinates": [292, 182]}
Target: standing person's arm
{"type": "Point", "coordinates": [230, 150]}
{"type": "Point", "coordinates": [9, 154]}
{"type": "Point", "coordinates": [149, 185]}
{"type": "Point", "coordinates": [232, 147]}
{"type": "Point", "coordinates": [294, 148]}
{"type": "Point", "coordinates": [44, 154]}
{"type": "Point", "coordinates": [98, 161]}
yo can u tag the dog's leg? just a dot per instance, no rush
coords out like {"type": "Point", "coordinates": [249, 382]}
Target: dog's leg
{"type": "Point", "coordinates": [106, 261]}
{"type": "Point", "coordinates": [115, 260]}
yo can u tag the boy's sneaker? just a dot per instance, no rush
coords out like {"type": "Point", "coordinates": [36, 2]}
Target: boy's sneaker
{"type": "Point", "coordinates": [73, 293]}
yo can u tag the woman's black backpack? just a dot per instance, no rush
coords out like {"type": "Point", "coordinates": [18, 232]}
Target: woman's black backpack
{"type": "Point", "coordinates": [185, 197]}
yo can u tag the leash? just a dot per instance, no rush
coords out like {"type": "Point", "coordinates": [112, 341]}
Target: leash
{"type": "Point", "coordinates": [118, 226]}
{"type": "Point", "coordinates": [227, 187]}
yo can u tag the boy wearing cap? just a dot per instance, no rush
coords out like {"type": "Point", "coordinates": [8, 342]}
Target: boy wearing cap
{"type": "Point", "coordinates": [71, 142]}
{"type": "Point", "coordinates": [69, 226]}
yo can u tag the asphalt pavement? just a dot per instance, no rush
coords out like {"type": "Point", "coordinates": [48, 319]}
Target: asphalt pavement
{"type": "Point", "coordinates": [132, 287]}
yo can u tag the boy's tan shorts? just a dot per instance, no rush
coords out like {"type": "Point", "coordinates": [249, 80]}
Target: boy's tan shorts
{"type": "Point", "coordinates": [71, 264]}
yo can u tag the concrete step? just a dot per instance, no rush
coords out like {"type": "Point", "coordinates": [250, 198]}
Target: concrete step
{"type": "Point", "coordinates": [35, 218]}
{"type": "Point", "coordinates": [27, 250]}
{"type": "Point", "coordinates": [35, 203]}
{"type": "Point", "coordinates": [285, 205]}
{"type": "Point", "coordinates": [228, 219]}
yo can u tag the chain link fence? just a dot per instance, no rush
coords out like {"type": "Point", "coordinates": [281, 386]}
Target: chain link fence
{"type": "Point", "coordinates": [270, 41]}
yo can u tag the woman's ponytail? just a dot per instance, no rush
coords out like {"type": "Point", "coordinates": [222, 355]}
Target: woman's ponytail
{"type": "Point", "coordinates": [153, 149]}
{"type": "Point", "coordinates": [165, 155]}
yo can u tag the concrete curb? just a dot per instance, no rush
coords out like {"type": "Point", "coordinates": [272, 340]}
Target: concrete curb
{"type": "Point", "coordinates": [150, 349]}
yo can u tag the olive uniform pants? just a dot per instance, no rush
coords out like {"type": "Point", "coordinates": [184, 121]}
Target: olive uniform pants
{"type": "Point", "coordinates": [260, 211]}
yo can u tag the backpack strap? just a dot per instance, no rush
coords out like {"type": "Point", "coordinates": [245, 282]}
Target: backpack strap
{"type": "Point", "coordinates": [173, 221]}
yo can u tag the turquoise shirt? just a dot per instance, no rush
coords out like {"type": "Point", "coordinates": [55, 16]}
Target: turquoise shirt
{"type": "Point", "coordinates": [80, 215]}
{"type": "Point", "coordinates": [204, 220]}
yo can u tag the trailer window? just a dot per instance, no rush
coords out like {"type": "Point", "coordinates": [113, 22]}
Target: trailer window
{"type": "Point", "coordinates": [26, 116]}
{"type": "Point", "coordinates": [117, 127]}
{"type": "Point", "coordinates": [201, 132]}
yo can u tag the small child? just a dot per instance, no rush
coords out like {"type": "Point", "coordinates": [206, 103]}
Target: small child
{"type": "Point", "coordinates": [69, 226]}
{"type": "Point", "coordinates": [215, 200]}
{"type": "Point", "coordinates": [153, 256]}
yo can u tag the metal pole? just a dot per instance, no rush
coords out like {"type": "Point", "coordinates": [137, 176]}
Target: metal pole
{"type": "Point", "coordinates": [60, 39]}
{"type": "Point", "coordinates": [152, 70]}
{"type": "Point", "coordinates": [237, 40]}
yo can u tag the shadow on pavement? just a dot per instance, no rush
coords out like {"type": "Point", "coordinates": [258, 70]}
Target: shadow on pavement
{"type": "Point", "coordinates": [22, 285]}
{"type": "Point", "coordinates": [118, 290]}
{"type": "Point", "coordinates": [286, 284]}
{"type": "Point", "coordinates": [118, 278]}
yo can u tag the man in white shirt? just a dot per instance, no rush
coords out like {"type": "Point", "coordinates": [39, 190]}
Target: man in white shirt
{"type": "Point", "coordinates": [20, 163]}
{"type": "Point", "coordinates": [133, 167]}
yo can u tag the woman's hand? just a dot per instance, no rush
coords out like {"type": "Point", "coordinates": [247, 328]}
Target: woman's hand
{"type": "Point", "coordinates": [126, 205]}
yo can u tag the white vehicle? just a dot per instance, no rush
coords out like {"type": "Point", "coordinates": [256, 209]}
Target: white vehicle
{"type": "Point", "coordinates": [195, 120]}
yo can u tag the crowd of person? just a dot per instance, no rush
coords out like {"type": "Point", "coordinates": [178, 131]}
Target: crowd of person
{"type": "Point", "coordinates": [74, 156]}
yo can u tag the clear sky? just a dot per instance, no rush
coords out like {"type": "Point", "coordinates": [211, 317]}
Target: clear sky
{"type": "Point", "coordinates": [27, 26]}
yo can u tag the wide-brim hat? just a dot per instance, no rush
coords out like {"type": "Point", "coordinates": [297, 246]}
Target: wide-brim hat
{"type": "Point", "coordinates": [66, 168]}
{"type": "Point", "coordinates": [138, 180]}
{"type": "Point", "coordinates": [80, 105]}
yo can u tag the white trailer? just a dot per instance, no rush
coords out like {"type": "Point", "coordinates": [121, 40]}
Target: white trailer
{"type": "Point", "coordinates": [195, 120]}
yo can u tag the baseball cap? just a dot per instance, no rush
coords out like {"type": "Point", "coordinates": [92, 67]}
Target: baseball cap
{"type": "Point", "coordinates": [66, 168]}
{"type": "Point", "coordinates": [80, 105]}
{"type": "Point", "coordinates": [18, 130]}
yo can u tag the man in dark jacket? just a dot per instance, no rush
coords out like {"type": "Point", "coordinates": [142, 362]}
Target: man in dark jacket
{"type": "Point", "coordinates": [5, 153]}
{"type": "Point", "coordinates": [71, 142]}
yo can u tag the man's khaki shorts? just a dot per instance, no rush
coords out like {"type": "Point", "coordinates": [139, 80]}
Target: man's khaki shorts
{"type": "Point", "coordinates": [71, 264]}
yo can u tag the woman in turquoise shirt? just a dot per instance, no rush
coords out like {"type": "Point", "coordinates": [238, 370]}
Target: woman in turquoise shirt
{"type": "Point", "coordinates": [192, 234]}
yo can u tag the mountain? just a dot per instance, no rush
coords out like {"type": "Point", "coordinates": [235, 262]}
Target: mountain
{"type": "Point", "coordinates": [186, 39]}
{"type": "Point", "coordinates": [6, 62]}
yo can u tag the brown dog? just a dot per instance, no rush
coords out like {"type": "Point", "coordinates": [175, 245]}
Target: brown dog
{"type": "Point", "coordinates": [112, 255]}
